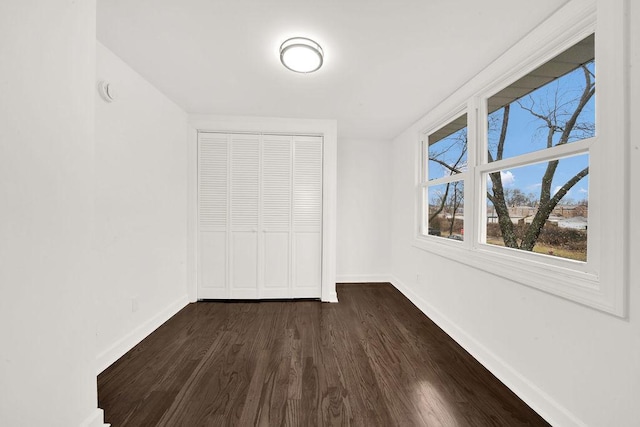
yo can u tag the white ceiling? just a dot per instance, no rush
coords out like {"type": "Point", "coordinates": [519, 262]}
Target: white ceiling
{"type": "Point", "coordinates": [387, 63]}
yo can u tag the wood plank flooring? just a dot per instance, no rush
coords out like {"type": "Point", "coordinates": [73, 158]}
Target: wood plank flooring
{"type": "Point", "coordinates": [373, 359]}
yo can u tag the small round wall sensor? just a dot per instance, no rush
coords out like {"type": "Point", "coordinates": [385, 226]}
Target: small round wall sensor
{"type": "Point", "coordinates": [106, 91]}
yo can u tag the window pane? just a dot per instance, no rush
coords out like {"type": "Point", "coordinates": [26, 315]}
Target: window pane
{"type": "Point", "coordinates": [541, 207]}
{"type": "Point", "coordinates": [446, 210]}
{"type": "Point", "coordinates": [553, 105]}
{"type": "Point", "coordinates": [447, 153]}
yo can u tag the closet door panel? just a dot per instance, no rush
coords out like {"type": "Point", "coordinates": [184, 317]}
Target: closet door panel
{"type": "Point", "coordinates": [307, 182]}
{"type": "Point", "coordinates": [276, 182]}
{"type": "Point", "coordinates": [244, 265]}
{"type": "Point", "coordinates": [276, 215]}
{"type": "Point", "coordinates": [276, 261]}
{"type": "Point", "coordinates": [244, 212]}
{"type": "Point", "coordinates": [307, 265]}
{"type": "Point", "coordinates": [307, 217]}
{"type": "Point", "coordinates": [245, 182]}
{"type": "Point", "coordinates": [213, 251]}
{"type": "Point", "coordinates": [213, 192]}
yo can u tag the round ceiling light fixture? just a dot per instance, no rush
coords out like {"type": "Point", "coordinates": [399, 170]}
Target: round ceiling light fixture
{"type": "Point", "coordinates": [301, 55]}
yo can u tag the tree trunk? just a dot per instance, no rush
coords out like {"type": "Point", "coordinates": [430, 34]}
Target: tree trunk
{"type": "Point", "coordinates": [506, 225]}
{"type": "Point", "coordinates": [443, 201]}
{"type": "Point", "coordinates": [545, 209]}
{"type": "Point", "coordinates": [498, 199]}
{"type": "Point", "coordinates": [455, 208]}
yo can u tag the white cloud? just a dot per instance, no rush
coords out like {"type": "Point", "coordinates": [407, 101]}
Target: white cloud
{"type": "Point", "coordinates": [557, 188]}
{"type": "Point", "coordinates": [583, 191]}
{"type": "Point", "coordinates": [508, 179]}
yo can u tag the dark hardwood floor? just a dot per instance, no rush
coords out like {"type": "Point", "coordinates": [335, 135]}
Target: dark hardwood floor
{"type": "Point", "coordinates": [371, 360]}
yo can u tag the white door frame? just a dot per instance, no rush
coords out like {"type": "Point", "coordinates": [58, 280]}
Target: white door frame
{"type": "Point", "coordinates": [326, 128]}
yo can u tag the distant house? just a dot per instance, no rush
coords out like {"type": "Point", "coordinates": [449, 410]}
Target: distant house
{"type": "Point", "coordinates": [522, 211]}
{"type": "Point", "coordinates": [516, 213]}
{"type": "Point", "coordinates": [571, 211]}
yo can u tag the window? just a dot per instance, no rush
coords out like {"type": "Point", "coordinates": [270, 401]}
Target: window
{"type": "Point", "coordinates": [534, 169]}
{"type": "Point", "coordinates": [526, 177]}
{"type": "Point", "coordinates": [445, 166]}
{"type": "Point", "coordinates": [537, 197]}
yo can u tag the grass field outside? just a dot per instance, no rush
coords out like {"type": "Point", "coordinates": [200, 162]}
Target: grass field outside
{"type": "Point", "coordinates": [578, 255]}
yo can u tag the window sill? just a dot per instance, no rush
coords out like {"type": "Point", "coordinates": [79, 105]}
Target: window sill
{"type": "Point", "coordinates": [578, 286]}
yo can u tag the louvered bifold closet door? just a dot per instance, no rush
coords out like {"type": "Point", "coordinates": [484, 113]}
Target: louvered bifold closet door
{"type": "Point", "coordinates": [260, 216]}
{"type": "Point", "coordinates": [276, 237]}
{"type": "Point", "coordinates": [213, 182]}
{"type": "Point", "coordinates": [307, 216]}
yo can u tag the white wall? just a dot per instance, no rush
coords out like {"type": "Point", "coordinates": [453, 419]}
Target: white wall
{"type": "Point", "coordinates": [47, 327]}
{"type": "Point", "coordinates": [364, 191]}
{"type": "Point", "coordinates": [575, 365]}
{"type": "Point", "coordinates": [141, 208]}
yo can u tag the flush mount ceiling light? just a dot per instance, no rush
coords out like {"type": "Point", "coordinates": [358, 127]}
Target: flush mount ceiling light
{"type": "Point", "coordinates": [301, 55]}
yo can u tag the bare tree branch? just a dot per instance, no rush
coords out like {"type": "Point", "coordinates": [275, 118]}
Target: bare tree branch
{"type": "Point", "coordinates": [544, 211]}
{"type": "Point", "coordinates": [445, 164]}
{"type": "Point", "coordinates": [503, 132]}
{"type": "Point", "coordinates": [588, 92]}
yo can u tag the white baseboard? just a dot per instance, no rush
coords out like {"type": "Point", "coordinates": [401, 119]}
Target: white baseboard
{"type": "Point", "coordinates": [363, 278]}
{"type": "Point", "coordinates": [96, 419]}
{"type": "Point", "coordinates": [331, 298]}
{"type": "Point", "coordinates": [126, 343]}
{"type": "Point", "coordinates": [532, 395]}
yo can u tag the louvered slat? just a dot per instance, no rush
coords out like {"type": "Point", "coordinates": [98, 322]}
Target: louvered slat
{"type": "Point", "coordinates": [276, 182]}
{"type": "Point", "coordinates": [212, 181]}
{"type": "Point", "coordinates": [245, 152]}
{"type": "Point", "coordinates": [307, 182]}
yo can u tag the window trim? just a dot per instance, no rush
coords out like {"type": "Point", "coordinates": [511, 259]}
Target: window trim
{"type": "Point", "coordinates": [603, 283]}
{"type": "Point", "coordinates": [423, 178]}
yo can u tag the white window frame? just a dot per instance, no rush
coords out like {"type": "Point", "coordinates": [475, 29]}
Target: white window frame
{"type": "Point", "coordinates": [602, 281]}
{"type": "Point", "coordinates": [425, 183]}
